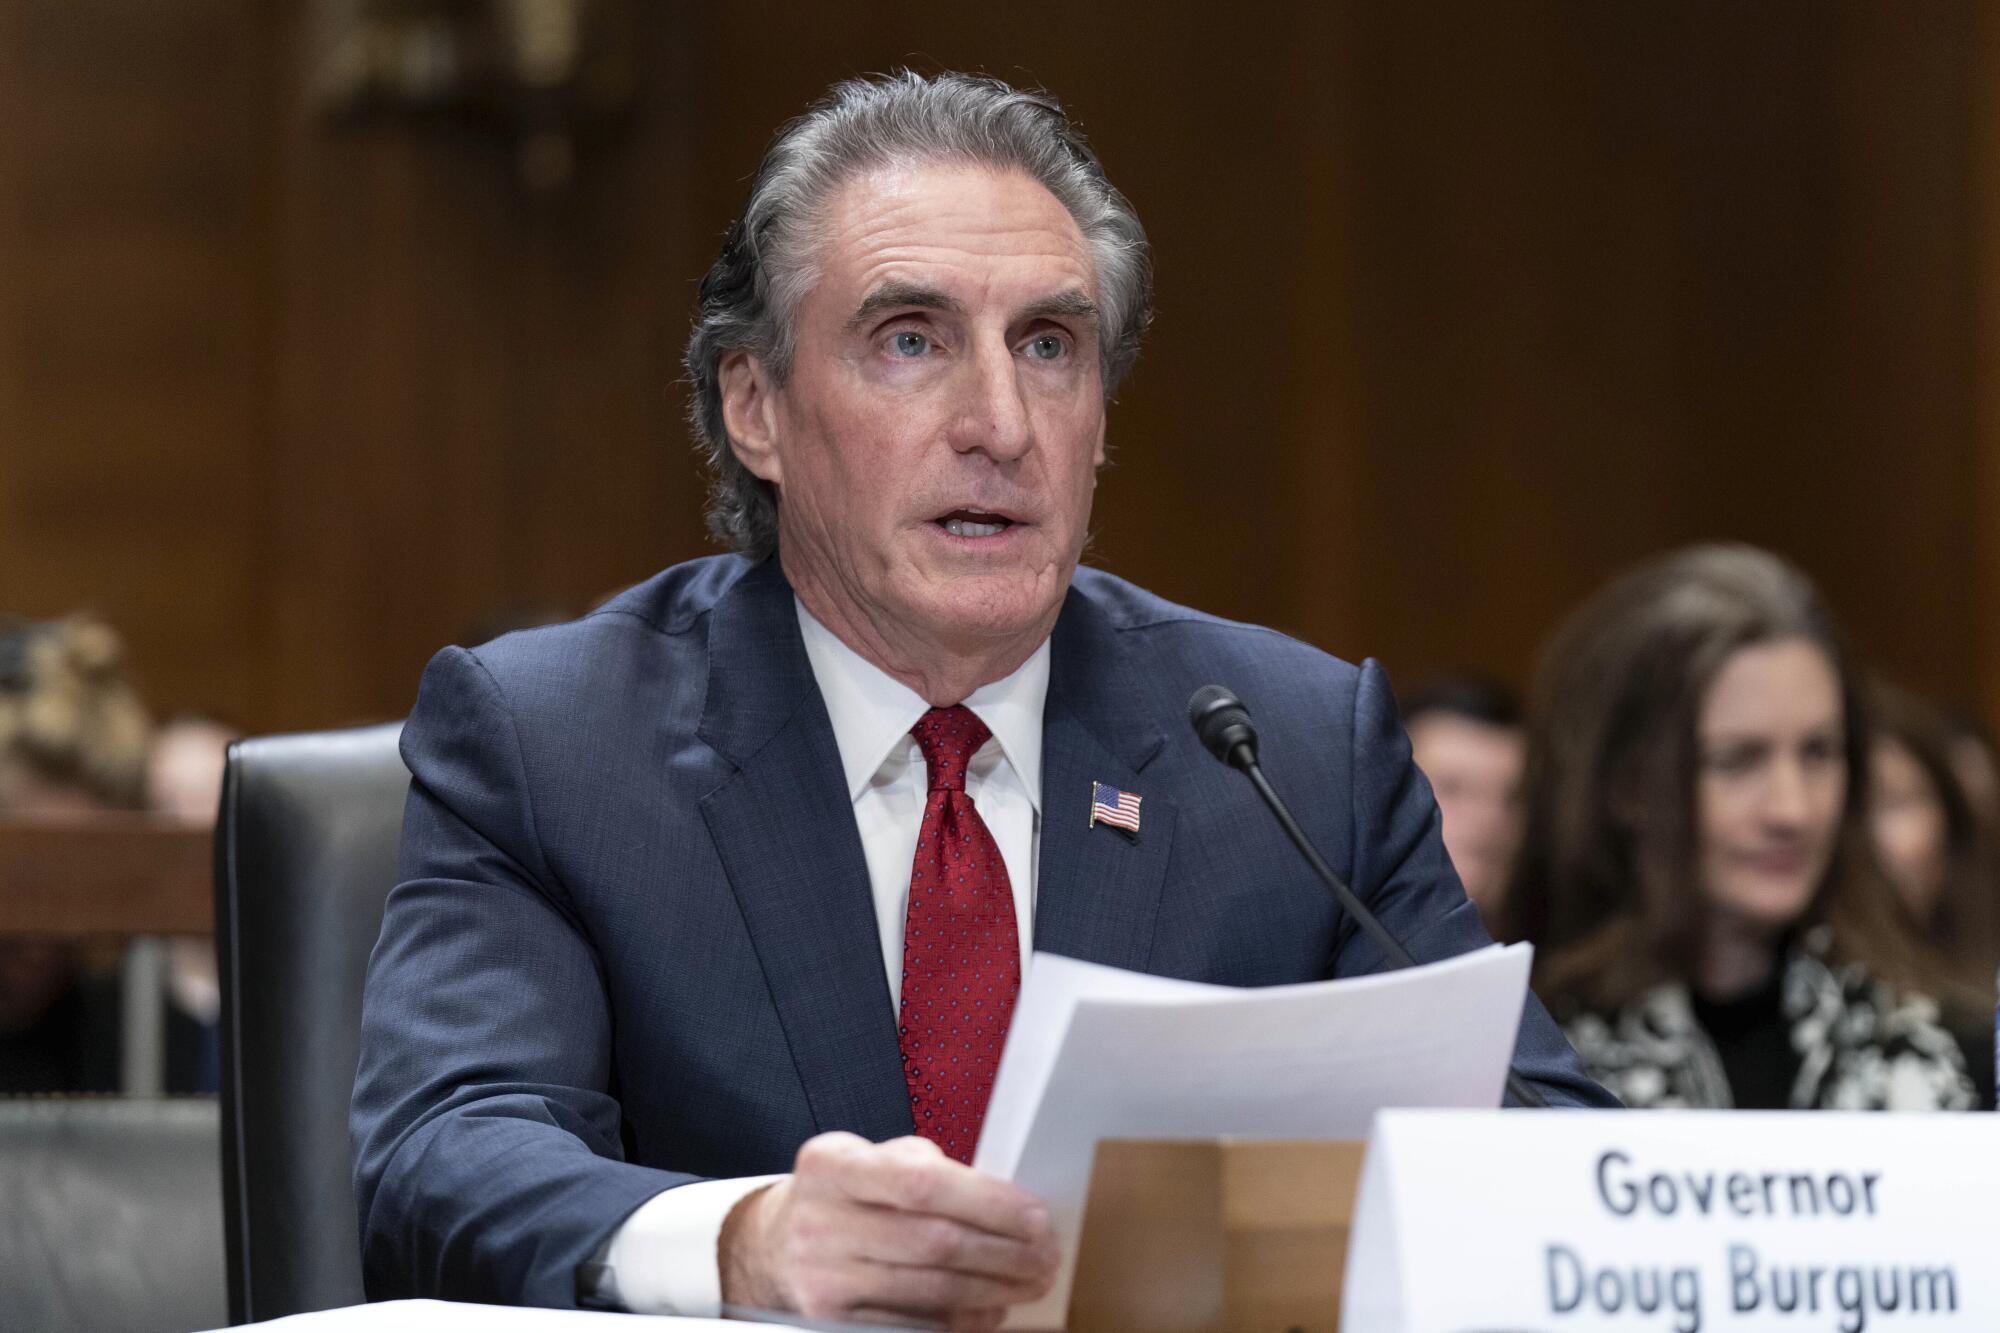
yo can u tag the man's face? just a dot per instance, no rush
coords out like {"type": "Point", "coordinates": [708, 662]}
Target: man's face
{"type": "Point", "coordinates": [936, 444]}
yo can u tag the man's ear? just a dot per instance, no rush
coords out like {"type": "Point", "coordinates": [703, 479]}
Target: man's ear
{"type": "Point", "coordinates": [1103, 419]}
{"type": "Point", "coordinates": [750, 414]}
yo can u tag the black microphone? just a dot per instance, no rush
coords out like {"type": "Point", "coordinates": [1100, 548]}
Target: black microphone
{"type": "Point", "coordinates": [1225, 729]}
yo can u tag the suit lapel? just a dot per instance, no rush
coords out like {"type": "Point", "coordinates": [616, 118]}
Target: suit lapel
{"type": "Point", "coordinates": [1097, 894]}
{"type": "Point", "coordinates": [784, 829]}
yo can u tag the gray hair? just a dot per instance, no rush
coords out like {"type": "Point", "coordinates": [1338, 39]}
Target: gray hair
{"type": "Point", "coordinates": [750, 295]}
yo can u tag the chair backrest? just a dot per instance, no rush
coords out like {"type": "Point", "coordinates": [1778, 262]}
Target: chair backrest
{"type": "Point", "coordinates": [110, 1221]}
{"type": "Point", "coordinates": [305, 855]}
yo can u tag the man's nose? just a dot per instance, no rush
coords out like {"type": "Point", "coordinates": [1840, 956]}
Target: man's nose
{"type": "Point", "coordinates": [993, 417]}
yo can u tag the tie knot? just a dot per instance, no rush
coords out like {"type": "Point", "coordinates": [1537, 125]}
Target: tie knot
{"type": "Point", "coordinates": [948, 737]}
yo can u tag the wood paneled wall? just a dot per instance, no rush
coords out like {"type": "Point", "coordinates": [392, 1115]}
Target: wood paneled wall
{"type": "Point", "coordinates": [134, 327]}
{"type": "Point", "coordinates": [1461, 308]}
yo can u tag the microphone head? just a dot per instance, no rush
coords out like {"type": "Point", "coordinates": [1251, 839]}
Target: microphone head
{"type": "Point", "coordinates": [1224, 725]}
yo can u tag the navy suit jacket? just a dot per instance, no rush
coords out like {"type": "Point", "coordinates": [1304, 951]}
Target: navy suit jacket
{"type": "Point", "coordinates": [634, 943]}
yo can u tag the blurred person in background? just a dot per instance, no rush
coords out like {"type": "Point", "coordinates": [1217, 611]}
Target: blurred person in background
{"type": "Point", "coordinates": [1711, 926]}
{"type": "Point", "coordinates": [73, 738]}
{"type": "Point", "coordinates": [1976, 763]}
{"type": "Point", "coordinates": [1466, 735]}
{"type": "Point", "coordinates": [184, 783]}
{"type": "Point", "coordinates": [1938, 853]}
{"type": "Point", "coordinates": [184, 769]}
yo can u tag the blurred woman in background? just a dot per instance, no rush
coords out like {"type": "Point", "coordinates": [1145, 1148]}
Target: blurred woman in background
{"type": "Point", "coordinates": [1936, 849]}
{"type": "Point", "coordinates": [73, 739]}
{"type": "Point", "coordinates": [1710, 923]}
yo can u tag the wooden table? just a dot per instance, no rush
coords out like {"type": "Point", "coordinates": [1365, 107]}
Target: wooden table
{"type": "Point", "coordinates": [106, 875]}
{"type": "Point", "coordinates": [134, 877]}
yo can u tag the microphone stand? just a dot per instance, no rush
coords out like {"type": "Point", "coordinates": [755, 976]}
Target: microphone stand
{"type": "Point", "coordinates": [1223, 724]}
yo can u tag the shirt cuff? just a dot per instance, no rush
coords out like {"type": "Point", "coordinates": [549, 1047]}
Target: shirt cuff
{"type": "Point", "coordinates": [662, 1258]}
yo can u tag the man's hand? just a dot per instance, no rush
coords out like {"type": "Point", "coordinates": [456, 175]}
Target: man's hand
{"type": "Point", "coordinates": [893, 1233]}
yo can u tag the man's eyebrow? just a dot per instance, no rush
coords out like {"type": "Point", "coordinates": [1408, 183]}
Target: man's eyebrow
{"type": "Point", "coordinates": [1064, 305]}
{"type": "Point", "coordinates": [901, 296]}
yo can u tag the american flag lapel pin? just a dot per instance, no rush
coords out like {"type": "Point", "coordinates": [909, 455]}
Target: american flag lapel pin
{"type": "Point", "coordinates": [1117, 808]}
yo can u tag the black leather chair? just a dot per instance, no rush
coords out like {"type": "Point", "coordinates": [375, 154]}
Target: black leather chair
{"type": "Point", "coordinates": [305, 855]}
{"type": "Point", "coordinates": [109, 1218]}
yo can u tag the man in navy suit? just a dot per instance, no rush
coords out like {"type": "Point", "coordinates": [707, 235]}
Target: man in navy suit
{"type": "Point", "coordinates": [692, 888]}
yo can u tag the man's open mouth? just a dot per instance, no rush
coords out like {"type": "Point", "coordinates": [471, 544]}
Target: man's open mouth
{"type": "Point", "coordinates": [974, 523]}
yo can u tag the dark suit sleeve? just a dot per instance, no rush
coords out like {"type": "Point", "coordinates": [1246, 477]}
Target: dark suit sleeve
{"type": "Point", "coordinates": [1400, 869]}
{"type": "Point", "coordinates": [488, 1161]}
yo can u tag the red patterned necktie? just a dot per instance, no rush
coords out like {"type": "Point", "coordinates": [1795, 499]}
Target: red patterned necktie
{"type": "Point", "coordinates": [961, 950]}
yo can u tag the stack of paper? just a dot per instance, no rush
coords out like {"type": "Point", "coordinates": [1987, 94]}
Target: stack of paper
{"type": "Point", "coordinates": [1095, 1053]}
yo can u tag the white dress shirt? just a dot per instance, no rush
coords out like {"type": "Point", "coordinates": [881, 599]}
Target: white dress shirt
{"type": "Point", "coordinates": [663, 1256]}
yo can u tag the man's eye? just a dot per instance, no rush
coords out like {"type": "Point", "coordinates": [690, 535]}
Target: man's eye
{"type": "Point", "coordinates": [910, 343]}
{"type": "Point", "coordinates": [1048, 347]}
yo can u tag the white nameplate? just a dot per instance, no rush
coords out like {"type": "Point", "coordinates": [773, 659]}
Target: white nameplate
{"type": "Point", "coordinates": [1690, 1221]}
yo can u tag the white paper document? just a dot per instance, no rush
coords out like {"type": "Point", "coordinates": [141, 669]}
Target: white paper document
{"type": "Point", "coordinates": [1096, 1053]}
{"type": "Point", "coordinates": [453, 1317]}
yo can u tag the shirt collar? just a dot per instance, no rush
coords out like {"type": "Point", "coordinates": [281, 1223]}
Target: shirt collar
{"type": "Point", "coordinates": [872, 712]}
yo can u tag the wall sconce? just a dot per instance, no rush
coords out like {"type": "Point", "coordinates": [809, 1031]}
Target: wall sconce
{"type": "Point", "coordinates": [543, 73]}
